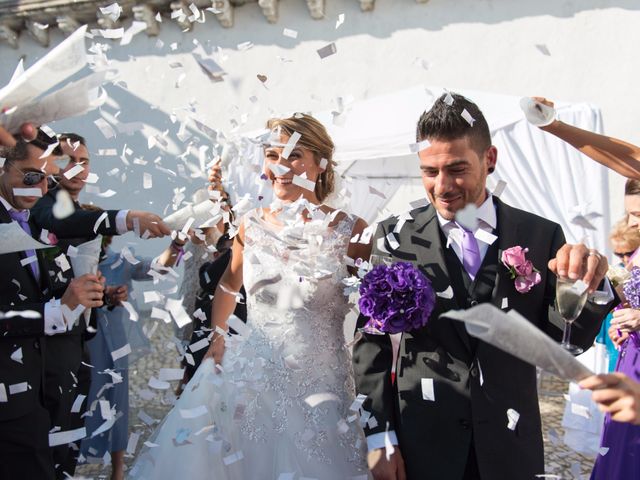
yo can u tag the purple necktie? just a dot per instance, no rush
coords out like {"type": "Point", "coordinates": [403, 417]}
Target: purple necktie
{"type": "Point", "coordinates": [22, 217]}
{"type": "Point", "coordinates": [470, 253]}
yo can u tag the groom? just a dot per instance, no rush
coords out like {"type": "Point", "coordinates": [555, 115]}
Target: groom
{"type": "Point", "coordinates": [446, 414]}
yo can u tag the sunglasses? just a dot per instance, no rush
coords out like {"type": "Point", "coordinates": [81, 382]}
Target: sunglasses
{"type": "Point", "coordinates": [624, 254]}
{"type": "Point", "coordinates": [30, 178]}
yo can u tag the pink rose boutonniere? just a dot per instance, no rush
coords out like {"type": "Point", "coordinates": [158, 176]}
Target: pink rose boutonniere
{"type": "Point", "coordinates": [522, 270]}
{"type": "Point", "coordinates": [52, 239]}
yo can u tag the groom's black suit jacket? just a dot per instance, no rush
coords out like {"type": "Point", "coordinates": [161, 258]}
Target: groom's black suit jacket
{"type": "Point", "coordinates": [474, 383]}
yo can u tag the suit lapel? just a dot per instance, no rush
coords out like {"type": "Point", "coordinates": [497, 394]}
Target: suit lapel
{"type": "Point", "coordinates": [508, 231]}
{"type": "Point", "coordinates": [430, 258]}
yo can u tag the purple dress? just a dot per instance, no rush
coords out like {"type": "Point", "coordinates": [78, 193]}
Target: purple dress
{"type": "Point", "coordinates": [622, 461]}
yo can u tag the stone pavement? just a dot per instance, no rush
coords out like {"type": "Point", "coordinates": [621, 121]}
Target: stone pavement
{"type": "Point", "coordinates": [561, 462]}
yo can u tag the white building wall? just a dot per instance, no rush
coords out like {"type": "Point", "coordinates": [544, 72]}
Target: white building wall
{"type": "Point", "coordinates": [485, 45]}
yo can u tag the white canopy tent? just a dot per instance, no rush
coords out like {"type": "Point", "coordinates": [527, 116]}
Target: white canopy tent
{"type": "Point", "coordinates": [543, 174]}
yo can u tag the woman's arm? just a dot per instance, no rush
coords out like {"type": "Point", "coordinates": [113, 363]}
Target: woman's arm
{"type": "Point", "coordinates": [358, 250]}
{"type": "Point", "coordinates": [615, 154]}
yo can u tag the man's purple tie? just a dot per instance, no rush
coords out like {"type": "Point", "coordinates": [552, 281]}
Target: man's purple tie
{"type": "Point", "coordinates": [470, 253]}
{"type": "Point", "coordinates": [22, 217]}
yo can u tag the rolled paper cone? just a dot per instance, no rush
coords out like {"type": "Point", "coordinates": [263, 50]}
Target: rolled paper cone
{"type": "Point", "coordinates": [86, 261]}
{"type": "Point", "coordinates": [514, 334]}
{"type": "Point", "coordinates": [537, 113]}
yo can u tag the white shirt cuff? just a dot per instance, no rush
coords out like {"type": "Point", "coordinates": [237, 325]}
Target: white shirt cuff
{"type": "Point", "coordinates": [604, 296]}
{"type": "Point", "coordinates": [121, 222]}
{"type": "Point", "coordinates": [53, 319]}
{"type": "Point", "coordinates": [377, 440]}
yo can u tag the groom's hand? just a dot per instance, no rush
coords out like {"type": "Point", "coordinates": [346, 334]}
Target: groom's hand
{"type": "Point", "coordinates": [383, 469]}
{"type": "Point", "coordinates": [577, 261]}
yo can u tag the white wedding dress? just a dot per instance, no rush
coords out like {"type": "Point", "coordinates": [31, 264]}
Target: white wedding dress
{"type": "Point", "coordinates": [281, 408]}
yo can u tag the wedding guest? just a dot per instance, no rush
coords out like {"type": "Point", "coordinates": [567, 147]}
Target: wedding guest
{"type": "Point", "coordinates": [622, 439]}
{"type": "Point", "coordinates": [618, 396]}
{"type": "Point", "coordinates": [613, 153]}
{"type": "Point", "coordinates": [32, 315]}
{"type": "Point", "coordinates": [66, 370]}
{"type": "Point", "coordinates": [447, 411]}
{"type": "Point", "coordinates": [112, 337]}
{"type": "Point", "coordinates": [209, 276]}
{"type": "Point", "coordinates": [625, 241]}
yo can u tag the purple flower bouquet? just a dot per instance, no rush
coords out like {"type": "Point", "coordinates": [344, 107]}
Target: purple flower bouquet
{"type": "Point", "coordinates": [397, 298]}
{"type": "Point", "coordinates": [631, 289]}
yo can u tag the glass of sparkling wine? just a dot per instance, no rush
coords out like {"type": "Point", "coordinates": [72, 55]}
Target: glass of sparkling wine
{"type": "Point", "coordinates": [571, 295]}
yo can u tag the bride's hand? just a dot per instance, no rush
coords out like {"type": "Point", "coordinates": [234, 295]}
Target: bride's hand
{"type": "Point", "coordinates": [216, 349]}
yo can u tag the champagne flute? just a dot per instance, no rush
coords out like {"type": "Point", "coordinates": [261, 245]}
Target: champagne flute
{"type": "Point", "coordinates": [571, 296]}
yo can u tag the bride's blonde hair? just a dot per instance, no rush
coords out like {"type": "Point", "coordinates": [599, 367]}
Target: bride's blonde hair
{"type": "Point", "coordinates": [314, 137]}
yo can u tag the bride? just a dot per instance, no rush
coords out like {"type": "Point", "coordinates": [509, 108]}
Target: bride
{"type": "Point", "coordinates": [275, 401]}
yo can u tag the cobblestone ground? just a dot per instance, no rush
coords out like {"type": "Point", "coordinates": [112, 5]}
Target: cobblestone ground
{"type": "Point", "coordinates": [561, 462]}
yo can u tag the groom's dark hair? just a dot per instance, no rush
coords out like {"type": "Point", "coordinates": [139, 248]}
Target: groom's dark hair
{"type": "Point", "coordinates": [446, 121]}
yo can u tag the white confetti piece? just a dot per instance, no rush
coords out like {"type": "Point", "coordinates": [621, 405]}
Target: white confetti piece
{"type": "Point", "coordinates": [233, 458]}
{"type": "Point", "coordinates": [418, 147]}
{"type": "Point", "coordinates": [580, 410]}
{"type": "Point", "coordinates": [340, 20]}
{"type": "Point", "coordinates": [388, 444]}
{"type": "Point", "coordinates": [27, 192]}
{"type": "Point", "coordinates": [427, 389]}
{"type": "Point", "coordinates": [50, 148]}
{"type": "Point", "coordinates": [287, 32]}
{"type": "Point", "coordinates": [171, 374]}
{"type": "Point", "coordinates": [133, 315]}
{"type": "Point", "coordinates": [105, 128]}
{"type": "Point", "coordinates": [448, 99]}
{"type": "Point", "coordinates": [291, 144]}
{"type": "Point", "coordinates": [543, 49]}
{"type": "Point", "coordinates": [18, 388]}
{"type": "Point", "coordinates": [484, 236]}
{"type": "Point", "coordinates": [391, 240]}
{"type": "Point", "coordinates": [512, 418]}
{"type": "Point", "coordinates": [63, 206]}
{"type": "Point", "coordinates": [603, 451]}
{"type": "Point", "coordinates": [158, 384]}
{"type": "Point", "coordinates": [147, 181]}
{"type": "Point", "coordinates": [28, 260]}
{"type": "Point", "coordinates": [357, 402]}
{"type": "Point", "coordinates": [73, 171]}
{"type": "Point", "coordinates": [178, 312]}
{"type": "Point", "coordinates": [500, 186]}
{"type": "Point", "coordinates": [69, 436]}
{"type": "Point", "coordinates": [199, 345]}
{"type": "Point", "coordinates": [278, 170]}
{"type": "Point", "coordinates": [112, 11]}
{"type": "Point", "coordinates": [195, 412]}
{"type": "Point", "coordinates": [448, 293]}
{"type": "Point", "coordinates": [77, 403]}
{"type": "Point", "coordinates": [3, 394]}
{"type": "Point", "coordinates": [133, 441]}
{"type": "Point", "coordinates": [579, 287]}
{"type": "Point", "coordinates": [505, 303]}
{"type": "Point", "coordinates": [105, 410]}
{"type": "Point", "coordinates": [468, 118]}
{"type": "Point", "coordinates": [121, 352]}
{"type": "Point", "coordinates": [317, 398]}
{"type": "Point", "coordinates": [104, 217]}
{"type": "Point", "coordinates": [16, 356]}
{"type": "Point", "coordinates": [303, 183]}
{"type": "Point", "coordinates": [327, 50]}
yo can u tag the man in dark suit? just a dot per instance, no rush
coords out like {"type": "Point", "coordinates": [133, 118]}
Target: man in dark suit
{"type": "Point", "coordinates": [66, 374]}
{"type": "Point", "coordinates": [447, 411]}
{"type": "Point", "coordinates": [29, 316]}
